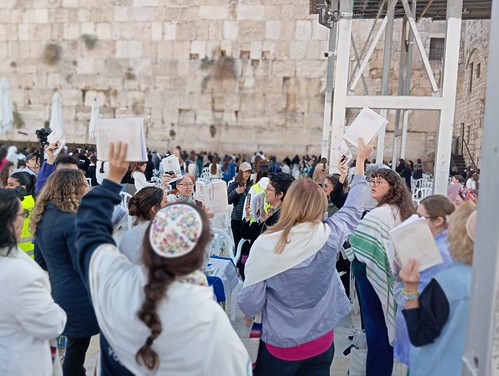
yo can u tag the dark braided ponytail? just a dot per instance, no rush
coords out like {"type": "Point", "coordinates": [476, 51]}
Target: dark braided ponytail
{"type": "Point", "coordinates": [162, 273]}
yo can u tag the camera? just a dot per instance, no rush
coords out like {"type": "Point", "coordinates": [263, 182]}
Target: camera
{"type": "Point", "coordinates": [42, 135]}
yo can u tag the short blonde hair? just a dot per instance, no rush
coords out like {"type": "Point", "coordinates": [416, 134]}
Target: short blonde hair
{"type": "Point", "coordinates": [305, 201]}
{"type": "Point", "coordinates": [461, 246]}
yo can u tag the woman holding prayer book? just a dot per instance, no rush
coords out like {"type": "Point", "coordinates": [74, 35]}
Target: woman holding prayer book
{"type": "Point", "coordinates": [374, 279]}
{"type": "Point", "coordinates": [291, 279]}
{"type": "Point", "coordinates": [158, 318]}
{"type": "Point", "coordinates": [437, 317]}
{"type": "Point", "coordinates": [435, 209]}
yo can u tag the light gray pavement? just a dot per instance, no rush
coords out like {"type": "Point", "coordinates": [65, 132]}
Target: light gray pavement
{"type": "Point", "coordinates": [339, 367]}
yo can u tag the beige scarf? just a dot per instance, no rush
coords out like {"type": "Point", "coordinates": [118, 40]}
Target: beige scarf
{"type": "Point", "coordinates": [304, 240]}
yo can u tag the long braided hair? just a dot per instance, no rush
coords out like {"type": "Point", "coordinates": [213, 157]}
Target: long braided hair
{"type": "Point", "coordinates": [162, 273]}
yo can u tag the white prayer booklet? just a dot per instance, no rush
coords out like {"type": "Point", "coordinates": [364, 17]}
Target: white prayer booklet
{"type": "Point", "coordinates": [342, 151]}
{"type": "Point", "coordinates": [57, 138]}
{"type": "Point", "coordinates": [367, 124]}
{"type": "Point", "coordinates": [213, 195]}
{"type": "Point", "coordinates": [413, 238]}
{"type": "Point", "coordinates": [126, 130]}
{"type": "Point", "coordinates": [171, 166]}
{"type": "Point", "coordinates": [257, 204]}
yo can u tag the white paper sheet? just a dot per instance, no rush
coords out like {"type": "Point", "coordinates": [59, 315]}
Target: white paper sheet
{"type": "Point", "coordinates": [56, 137]}
{"type": "Point", "coordinates": [367, 124]}
{"type": "Point", "coordinates": [127, 130]}
{"type": "Point", "coordinates": [171, 165]}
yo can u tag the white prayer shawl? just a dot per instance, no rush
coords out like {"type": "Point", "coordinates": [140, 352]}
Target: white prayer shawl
{"type": "Point", "coordinates": [304, 240]}
{"type": "Point", "coordinates": [197, 337]}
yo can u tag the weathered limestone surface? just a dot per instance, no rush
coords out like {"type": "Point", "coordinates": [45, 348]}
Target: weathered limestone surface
{"type": "Point", "coordinates": [253, 70]}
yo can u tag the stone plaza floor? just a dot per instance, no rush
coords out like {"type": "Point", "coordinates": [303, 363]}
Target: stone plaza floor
{"type": "Point", "coordinates": [339, 367]}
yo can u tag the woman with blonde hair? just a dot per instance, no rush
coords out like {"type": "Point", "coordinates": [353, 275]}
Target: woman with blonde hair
{"type": "Point", "coordinates": [53, 225]}
{"type": "Point", "coordinates": [437, 317]}
{"type": "Point", "coordinates": [291, 279]}
{"type": "Point", "coordinates": [158, 318]}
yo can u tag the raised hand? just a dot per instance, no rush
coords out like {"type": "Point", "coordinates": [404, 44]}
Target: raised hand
{"type": "Point", "coordinates": [410, 274]}
{"type": "Point", "coordinates": [118, 166]}
{"type": "Point", "coordinates": [363, 150]}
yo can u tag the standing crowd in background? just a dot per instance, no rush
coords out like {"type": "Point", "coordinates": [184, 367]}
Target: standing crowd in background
{"type": "Point", "coordinates": [71, 268]}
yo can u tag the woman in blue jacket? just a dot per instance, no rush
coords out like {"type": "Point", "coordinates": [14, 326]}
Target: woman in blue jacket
{"type": "Point", "coordinates": [53, 223]}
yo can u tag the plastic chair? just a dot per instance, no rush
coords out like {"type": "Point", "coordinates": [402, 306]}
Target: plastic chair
{"type": "Point", "coordinates": [421, 193]}
{"type": "Point", "coordinates": [89, 181]}
{"type": "Point", "coordinates": [205, 173]}
{"type": "Point", "coordinates": [125, 197]}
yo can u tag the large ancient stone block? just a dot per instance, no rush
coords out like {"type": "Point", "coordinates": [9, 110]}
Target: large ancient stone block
{"type": "Point", "coordinates": [213, 12]}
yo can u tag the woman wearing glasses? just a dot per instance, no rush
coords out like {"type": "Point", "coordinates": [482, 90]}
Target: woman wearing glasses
{"type": "Point", "coordinates": [183, 190]}
{"type": "Point", "coordinates": [29, 318]}
{"type": "Point", "coordinates": [53, 224]}
{"type": "Point", "coordinates": [24, 184]}
{"type": "Point", "coordinates": [436, 209]}
{"type": "Point", "coordinates": [374, 279]}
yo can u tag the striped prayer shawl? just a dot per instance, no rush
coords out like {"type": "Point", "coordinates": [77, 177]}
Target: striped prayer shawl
{"type": "Point", "coordinates": [369, 242]}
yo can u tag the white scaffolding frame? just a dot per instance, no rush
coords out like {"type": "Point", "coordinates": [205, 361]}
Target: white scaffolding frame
{"type": "Point", "coordinates": [445, 103]}
{"type": "Point", "coordinates": [481, 356]}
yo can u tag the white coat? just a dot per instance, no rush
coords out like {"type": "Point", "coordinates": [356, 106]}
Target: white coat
{"type": "Point", "coordinates": [197, 337]}
{"type": "Point", "coordinates": [29, 317]}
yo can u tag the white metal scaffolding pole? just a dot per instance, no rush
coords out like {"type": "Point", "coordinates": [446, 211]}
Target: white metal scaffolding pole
{"type": "Point", "coordinates": [326, 130]}
{"type": "Point", "coordinates": [341, 78]}
{"type": "Point", "coordinates": [385, 80]}
{"type": "Point", "coordinates": [449, 87]}
{"type": "Point", "coordinates": [481, 356]}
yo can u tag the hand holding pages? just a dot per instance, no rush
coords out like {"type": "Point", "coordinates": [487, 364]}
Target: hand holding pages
{"type": "Point", "coordinates": [171, 166]}
{"type": "Point", "coordinates": [367, 124]}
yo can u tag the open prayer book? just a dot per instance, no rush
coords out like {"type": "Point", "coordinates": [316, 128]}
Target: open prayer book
{"type": "Point", "coordinates": [171, 166]}
{"type": "Point", "coordinates": [343, 152]}
{"type": "Point", "coordinates": [413, 238]}
{"type": "Point", "coordinates": [126, 130]}
{"type": "Point", "coordinates": [367, 124]}
{"type": "Point", "coordinates": [213, 195]}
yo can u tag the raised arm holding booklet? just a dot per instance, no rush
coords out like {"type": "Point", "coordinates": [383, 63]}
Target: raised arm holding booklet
{"type": "Point", "coordinates": [367, 124]}
{"type": "Point", "coordinates": [171, 166]}
{"type": "Point", "coordinates": [413, 238]}
{"type": "Point", "coordinates": [213, 195]}
{"type": "Point", "coordinates": [126, 130]}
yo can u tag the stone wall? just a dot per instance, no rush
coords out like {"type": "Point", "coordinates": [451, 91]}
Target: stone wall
{"type": "Point", "coordinates": [233, 75]}
{"type": "Point", "coordinates": [470, 104]}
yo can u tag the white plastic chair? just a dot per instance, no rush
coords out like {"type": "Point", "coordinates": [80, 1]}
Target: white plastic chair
{"type": "Point", "coordinates": [205, 173]}
{"type": "Point", "coordinates": [421, 193]}
{"type": "Point", "coordinates": [125, 197]}
{"type": "Point", "coordinates": [89, 182]}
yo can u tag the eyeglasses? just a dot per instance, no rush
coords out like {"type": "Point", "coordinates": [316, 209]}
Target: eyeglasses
{"type": "Point", "coordinates": [187, 184]}
{"type": "Point", "coordinates": [270, 189]}
{"type": "Point", "coordinates": [425, 216]}
{"type": "Point", "coordinates": [24, 214]}
{"type": "Point", "coordinates": [377, 182]}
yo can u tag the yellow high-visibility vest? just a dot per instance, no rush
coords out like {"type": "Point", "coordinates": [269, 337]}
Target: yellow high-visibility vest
{"type": "Point", "coordinates": [26, 241]}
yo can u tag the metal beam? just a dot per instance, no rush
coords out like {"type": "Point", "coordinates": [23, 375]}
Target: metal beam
{"type": "Point", "coordinates": [385, 78]}
{"type": "Point", "coordinates": [407, 84]}
{"type": "Point", "coordinates": [449, 88]}
{"type": "Point", "coordinates": [394, 102]}
{"type": "Point", "coordinates": [341, 78]}
{"type": "Point", "coordinates": [481, 356]}
{"type": "Point", "coordinates": [419, 43]}
{"type": "Point", "coordinates": [328, 103]}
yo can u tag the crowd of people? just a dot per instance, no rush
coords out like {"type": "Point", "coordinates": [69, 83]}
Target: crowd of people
{"type": "Point", "coordinates": [67, 275]}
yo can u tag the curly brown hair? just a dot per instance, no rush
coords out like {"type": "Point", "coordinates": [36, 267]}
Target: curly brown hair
{"type": "Point", "coordinates": [64, 188]}
{"type": "Point", "coordinates": [162, 273]}
{"type": "Point", "coordinates": [398, 194]}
